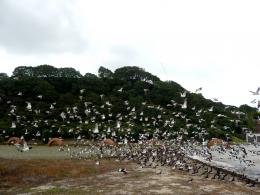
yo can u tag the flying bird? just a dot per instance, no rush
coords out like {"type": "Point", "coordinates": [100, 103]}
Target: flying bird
{"type": "Point", "coordinates": [39, 96]}
{"type": "Point", "coordinates": [199, 89]}
{"type": "Point", "coordinates": [13, 125]}
{"type": "Point", "coordinates": [256, 92]}
{"type": "Point", "coordinates": [29, 106]}
{"type": "Point", "coordinates": [184, 94]}
{"type": "Point", "coordinates": [211, 109]}
{"type": "Point", "coordinates": [253, 101]}
{"type": "Point", "coordinates": [184, 105]}
{"type": "Point", "coordinates": [215, 99]}
{"type": "Point", "coordinates": [82, 91]}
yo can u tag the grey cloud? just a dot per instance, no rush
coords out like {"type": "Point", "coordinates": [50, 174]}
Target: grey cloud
{"type": "Point", "coordinates": [48, 26]}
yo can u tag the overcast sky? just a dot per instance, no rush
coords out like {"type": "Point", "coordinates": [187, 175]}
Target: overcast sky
{"type": "Point", "coordinates": [210, 44]}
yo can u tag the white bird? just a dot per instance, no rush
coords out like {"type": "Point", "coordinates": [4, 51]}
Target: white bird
{"type": "Point", "coordinates": [62, 115]}
{"type": "Point", "coordinates": [108, 103]}
{"type": "Point", "coordinates": [37, 111]}
{"type": "Point", "coordinates": [118, 124]}
{"type": "Point", "coordinates": [256, 92]}
{"type": "Point", "coordinates": [211, 109]}
{"type": "Point", "coordinates": [29, 106]}
{"type": "Point", "coordinates": [184, 94]}
{"type": "Point", "coordinates": [120, 90]}
{"type": "Point", "coordinates": [20, 93]}
{"type": "Point", "coordinates": [13, 110]}
{"type": "Point", "coordinates": [184, 105]}
{"type": "Point", "coordinates": [108, 130]}
{"type": "Point", "coordinates": [82, 91]}
{"type": "Point", "coordinates": [22, 147]}
{"type": "Point", "coordinates": [39, 96]}
{"type": "Point", "coordinates": [13, 125]}
{"type": "Point", "coordinates": [96, 130]}
{"type": "Point", "coordinates": [114, 133]}
{"type": "Point", "coordinates": [38, 134]}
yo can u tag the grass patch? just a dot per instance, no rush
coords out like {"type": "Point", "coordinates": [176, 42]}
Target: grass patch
{"type": "Point", "coordinates": [61, 191]}
{"type": "Point", "coordinates": [236, 140]}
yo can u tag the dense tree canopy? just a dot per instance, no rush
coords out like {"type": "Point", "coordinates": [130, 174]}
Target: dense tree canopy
{"type": "Point", "coordinates": [45, 71]}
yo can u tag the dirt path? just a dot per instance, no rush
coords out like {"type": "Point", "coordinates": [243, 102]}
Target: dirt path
{"type": "Point", "coordinates": [137, 181]}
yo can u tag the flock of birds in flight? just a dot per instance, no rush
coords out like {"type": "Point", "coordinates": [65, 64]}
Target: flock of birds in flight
{"type": "Point", "coordinates": [163, 151]}
{"type": "Point", "coordinates": [255, 93]}
{"type": "Point", "coordinates": [105, 123]}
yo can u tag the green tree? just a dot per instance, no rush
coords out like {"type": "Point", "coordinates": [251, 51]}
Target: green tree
{"type": "Point", "coordinates": [3, 76]}
{"type": "Point", "coordinates": [104, 72]}
{"type": "Point", "coordinates": [69, 73]}
{"type": "Point", "coordinates": [23, 71]}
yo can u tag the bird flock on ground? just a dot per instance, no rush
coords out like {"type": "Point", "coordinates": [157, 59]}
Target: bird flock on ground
{"type": "Point", "coordinates": [175, 153]}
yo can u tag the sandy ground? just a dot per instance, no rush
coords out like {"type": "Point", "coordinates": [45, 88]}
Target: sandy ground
{"type": "Point", "coordinates": [22, 173]}
{"type": "Point", "coordinates": [145, 181]}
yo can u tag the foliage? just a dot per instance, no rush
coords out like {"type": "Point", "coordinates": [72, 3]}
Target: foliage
{"type": "Point", "coordinates": [52, 91]}
{"type": "Point", "coordinates": [45, 71]}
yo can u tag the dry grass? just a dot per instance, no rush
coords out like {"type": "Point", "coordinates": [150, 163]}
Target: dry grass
{"type": "Point", "coordinates": [15, 173]}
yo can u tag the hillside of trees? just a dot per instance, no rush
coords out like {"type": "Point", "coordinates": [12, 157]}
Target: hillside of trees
{"type": "Point", "coordinates": [44, 101]}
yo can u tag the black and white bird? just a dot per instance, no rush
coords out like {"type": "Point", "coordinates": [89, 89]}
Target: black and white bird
{"type": "Point", "coordinates": [122, 170]}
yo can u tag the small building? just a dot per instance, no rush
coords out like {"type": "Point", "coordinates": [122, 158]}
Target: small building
{"type": "Point", "coordinates": [253, 137]}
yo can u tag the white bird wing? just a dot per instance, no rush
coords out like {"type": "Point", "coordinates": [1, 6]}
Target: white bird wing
{"type": "Point", "coordinates": [252, 92]}
{"type": "Point", "coordinates": [25, 146]}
